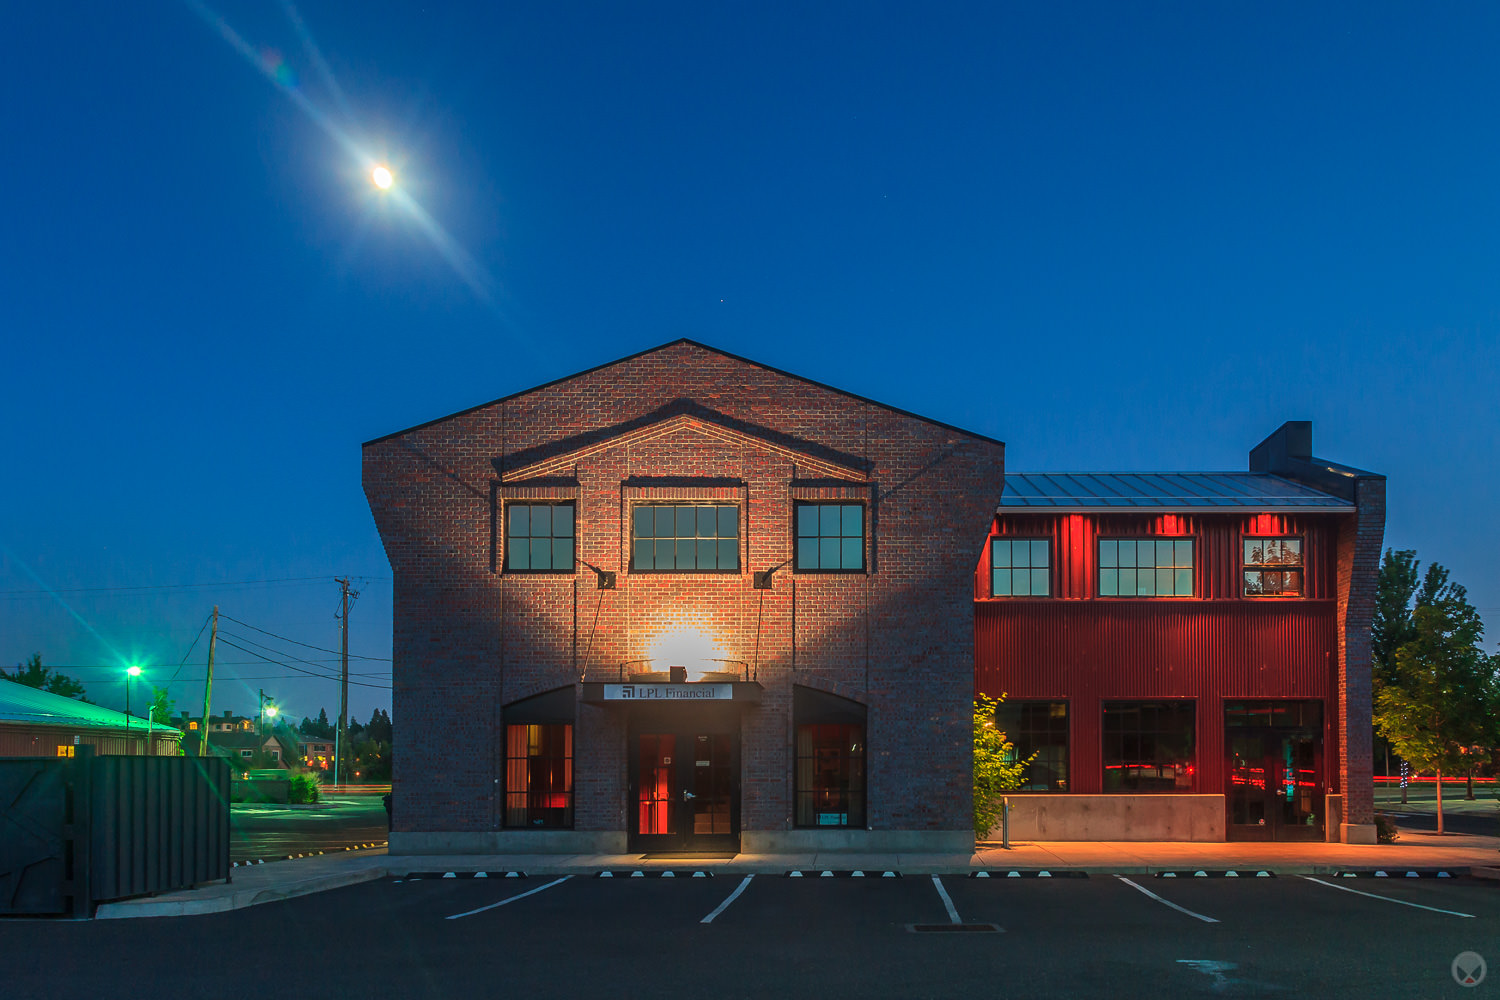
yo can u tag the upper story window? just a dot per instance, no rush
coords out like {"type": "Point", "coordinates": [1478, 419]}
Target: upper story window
{"type": "Point", "coordinates": [539, 537]}
{"type": "Point", "coordinates": [830, 536]}
{"type": "Point", "coordinates": [1273, 567]}
{"type": "Point", "coordinates": [702, 538]}
{"type": "Point", "coordinates": [1145, 567]}
{"type": "Point", "coordinates": [1020, 567]}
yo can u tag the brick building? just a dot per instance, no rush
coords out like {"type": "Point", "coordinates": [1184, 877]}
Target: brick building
{"type": "Point", "coordinates": [806, 555]}
{"type": "Point", "coordinates": [684, 601]}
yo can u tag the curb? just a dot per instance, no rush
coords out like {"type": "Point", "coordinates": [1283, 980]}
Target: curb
{"type": "Point", "coordinates": [161, 906]}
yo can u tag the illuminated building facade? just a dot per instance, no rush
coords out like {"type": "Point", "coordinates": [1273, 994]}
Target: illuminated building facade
{"type": "Point", "coordinates": [686, 602]}
{"type": "Point", "coordinates": [683, 602]}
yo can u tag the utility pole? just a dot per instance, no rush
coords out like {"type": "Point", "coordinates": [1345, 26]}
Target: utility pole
{"type": "Point", "coordinates": [208, 686]}
{"type": "Point", "coordinates": [341, 737]}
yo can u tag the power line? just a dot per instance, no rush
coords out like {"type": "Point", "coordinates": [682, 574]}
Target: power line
{"type": "Point", "coordinates": [221, 663]}
{"type": "Point", "coordinates": [191, 648]}
{"type": "Point", "coordinates": [352, 656]}
{"type": "Point", "coordinates": [321, 677]}
{"type": "Point", "coordinates": [273, 649]}
{"type": "Point", "coordinates": [173, 586]}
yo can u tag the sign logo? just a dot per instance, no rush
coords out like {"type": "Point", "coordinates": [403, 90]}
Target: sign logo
{"type": "Point", "coordinates": [1469, 969]}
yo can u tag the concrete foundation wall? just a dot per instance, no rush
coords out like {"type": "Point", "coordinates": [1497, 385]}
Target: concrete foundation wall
{"type": "Point", "coordinates": [857, 841]}
{"type": "Point", "coordinates": [1115, 817]}
{"type": "Point", "coordinates": [509, 842]}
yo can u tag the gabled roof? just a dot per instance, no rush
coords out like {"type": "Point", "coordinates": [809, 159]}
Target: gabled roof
{"type": "Point", "coordinates": [1162, 491]}
{"type": "Point", "coordinates": [242, 740]}
{"type": "Point", "coordinates": [33, 706]}
{"type": "Point", "coordinates": [562, 460]}
{"type": "Point", "coordinates": [703, 347]}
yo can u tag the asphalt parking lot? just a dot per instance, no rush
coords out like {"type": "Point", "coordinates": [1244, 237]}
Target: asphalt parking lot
{"type": "Point", "coordinates": [268, 831]}
{"type": "Point", "coordinates": [731, 936]}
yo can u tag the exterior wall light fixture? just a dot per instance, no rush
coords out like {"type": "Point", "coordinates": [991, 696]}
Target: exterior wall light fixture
{"type": "Point", "coordinates": [762, 578]}
{"type": "Point", "coordinates": [604, 577]}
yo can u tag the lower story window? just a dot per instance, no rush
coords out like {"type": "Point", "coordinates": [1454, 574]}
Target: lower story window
{"type": "Point", "coordinates": [539, 776]}
{"type": "Point", "coordinates": [1040, 728]}
{"type": "Point", "coordinates": [1148, 746]}
{"type": "Point", "coordinates": [831, 775]}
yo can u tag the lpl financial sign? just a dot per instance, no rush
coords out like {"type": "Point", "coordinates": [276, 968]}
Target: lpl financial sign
{"type": "Point", "coordinates": [669, 692]}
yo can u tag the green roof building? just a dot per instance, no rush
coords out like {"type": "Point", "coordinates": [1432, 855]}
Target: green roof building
{"type": "Point", "coordinates": [35, 723]}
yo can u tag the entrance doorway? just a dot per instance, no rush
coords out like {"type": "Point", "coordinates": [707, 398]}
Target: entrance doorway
{"type": "Point", "coordinates": [1275, 770]}
{"type": "Point", "coordinates": [684, 786]}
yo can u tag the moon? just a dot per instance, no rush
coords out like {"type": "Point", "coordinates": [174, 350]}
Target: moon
{"type": "Point", "coordinates": [382, 178]}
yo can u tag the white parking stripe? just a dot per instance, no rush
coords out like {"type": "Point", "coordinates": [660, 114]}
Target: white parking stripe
{"type": "Point", "coordinates": [1388, 899]}
{"type": "Point", "coordinates": [952, 911]}
{"type": "Point", "coordinates": [725, 905]}
{"type": "Point", "coordinates": [1166, 902]}
{"type": "Point", "coordinates": [512, 899]}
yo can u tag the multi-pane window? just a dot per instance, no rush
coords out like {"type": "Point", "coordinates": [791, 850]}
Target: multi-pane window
{"type": "Point", "coordinates": [539, 537]}
{"type": "Point", "coordinates": [539, 776]}
{"type": "Point", "coordinates": [1148, 746]}
{"type": "Point", "coordinates": [703, 538]}
{"type": "Point", "coordinates": [830, 536]}
{"type": "Point", "coordinates": [831, 775]}
{"type": "Point", "coordinates": [1145, 567]}
{"type": "Point", "coordinates": [1273, 567]}
{"type": "Point", "coordinates": [1038, 728]}
{"type": "Point", "coordinates": [1020, 567]}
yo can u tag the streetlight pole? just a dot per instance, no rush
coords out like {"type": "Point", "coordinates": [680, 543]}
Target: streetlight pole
{"type": "Point", "coordinates": [131, 673]}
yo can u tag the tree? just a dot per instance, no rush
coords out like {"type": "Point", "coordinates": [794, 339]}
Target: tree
{"type": "Point", "coordinates": [161, 706]}
{"type": "Point", "coordinates": [379, 728]}
{"type": "Point", "coordinates": [33, 674]}
{"type": "Point", "coordinates": [996, 767]}
{"type": "Point", "coordinates": [1438, 703]}
{"type": "Point", "coordinates": [322, 728]}
{"type": "Point", "coordinates": [1397, 597]}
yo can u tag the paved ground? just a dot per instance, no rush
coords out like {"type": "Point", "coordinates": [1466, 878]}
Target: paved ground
{"type": "Point", "coordinates": [761, 935]}
{"type": "Point", "coordinates": [277, 831]}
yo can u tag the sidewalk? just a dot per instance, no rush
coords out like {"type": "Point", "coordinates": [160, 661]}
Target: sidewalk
{"type": "Point", "coordinates": [285, 879]}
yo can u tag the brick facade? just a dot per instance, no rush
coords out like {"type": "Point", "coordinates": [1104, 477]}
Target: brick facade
{"type": "Point", "coordinates": [682, 423]}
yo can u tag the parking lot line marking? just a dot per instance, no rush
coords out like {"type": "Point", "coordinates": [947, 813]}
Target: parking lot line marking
{"type": "Point", "coordinates": [1388, 899]}
{"type": "Point", "coordinates": [511, 899]}
{"type": "Point", "coordinates": [952, 910]}
{"type": "Point", "coordinates": [1167, 902]}
{"type": "Point", "coordinates": [725, 905]}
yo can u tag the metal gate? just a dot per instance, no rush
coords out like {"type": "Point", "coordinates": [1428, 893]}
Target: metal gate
{"type": "Point", "coordinates": [84, 830]}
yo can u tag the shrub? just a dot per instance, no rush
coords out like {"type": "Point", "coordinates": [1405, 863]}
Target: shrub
{"type": "Point", "coordinates": [304, 789]}
{"type": "Point", "coordinates": [1385, 829]}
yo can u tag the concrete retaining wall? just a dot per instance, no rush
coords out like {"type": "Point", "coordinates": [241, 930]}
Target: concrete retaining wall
{"type": "Point", "coordinates": [863, 841]}
{"type": "Point", "coordinates": [1115, 817]}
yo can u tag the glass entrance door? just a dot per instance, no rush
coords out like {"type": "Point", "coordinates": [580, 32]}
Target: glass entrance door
{"type": "Point", "coordinates": [685, 791]}
{"type": "Point", "coordinates": [1275, 787]}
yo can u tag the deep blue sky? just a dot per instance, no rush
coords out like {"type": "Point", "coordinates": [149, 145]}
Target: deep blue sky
{"type": "Point", "coordinates": [1114, 236]}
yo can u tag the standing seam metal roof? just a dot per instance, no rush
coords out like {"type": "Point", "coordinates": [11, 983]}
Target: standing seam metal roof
{"type": "Point", "coordinates": [32, 706]}
{"type": "Point", "coordinates": [1162, 491]}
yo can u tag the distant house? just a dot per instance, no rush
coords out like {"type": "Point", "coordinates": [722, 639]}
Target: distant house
{"type": "Point", "coordinates": [35, 723]}
{"type": "Point", "coordinates": [316, 752]}
{"type": "Point", "coordinates": [244, 745]}
{"type": "Point", "coordinates": [226, 723]}
{"type": "Point", "coordinates": [236, 737]}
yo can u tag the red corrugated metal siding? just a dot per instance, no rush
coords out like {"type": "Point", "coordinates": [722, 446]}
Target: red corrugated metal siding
{"type": "Point", "coordinates": [1089, 652]}
{"type": "Point", "coordinates": [1218, 556]}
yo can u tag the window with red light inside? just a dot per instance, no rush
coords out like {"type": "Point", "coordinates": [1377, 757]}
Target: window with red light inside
{"type": "Point", "coordinates": [539, 776]}
{"type": "Point", "coordinates": [1273, 567]}
{"type": "Point", "coordinates": [1148, 746]}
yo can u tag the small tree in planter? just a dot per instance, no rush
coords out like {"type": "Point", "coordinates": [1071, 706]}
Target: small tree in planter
{"type": "Point", "coordinates": [997, 770]}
